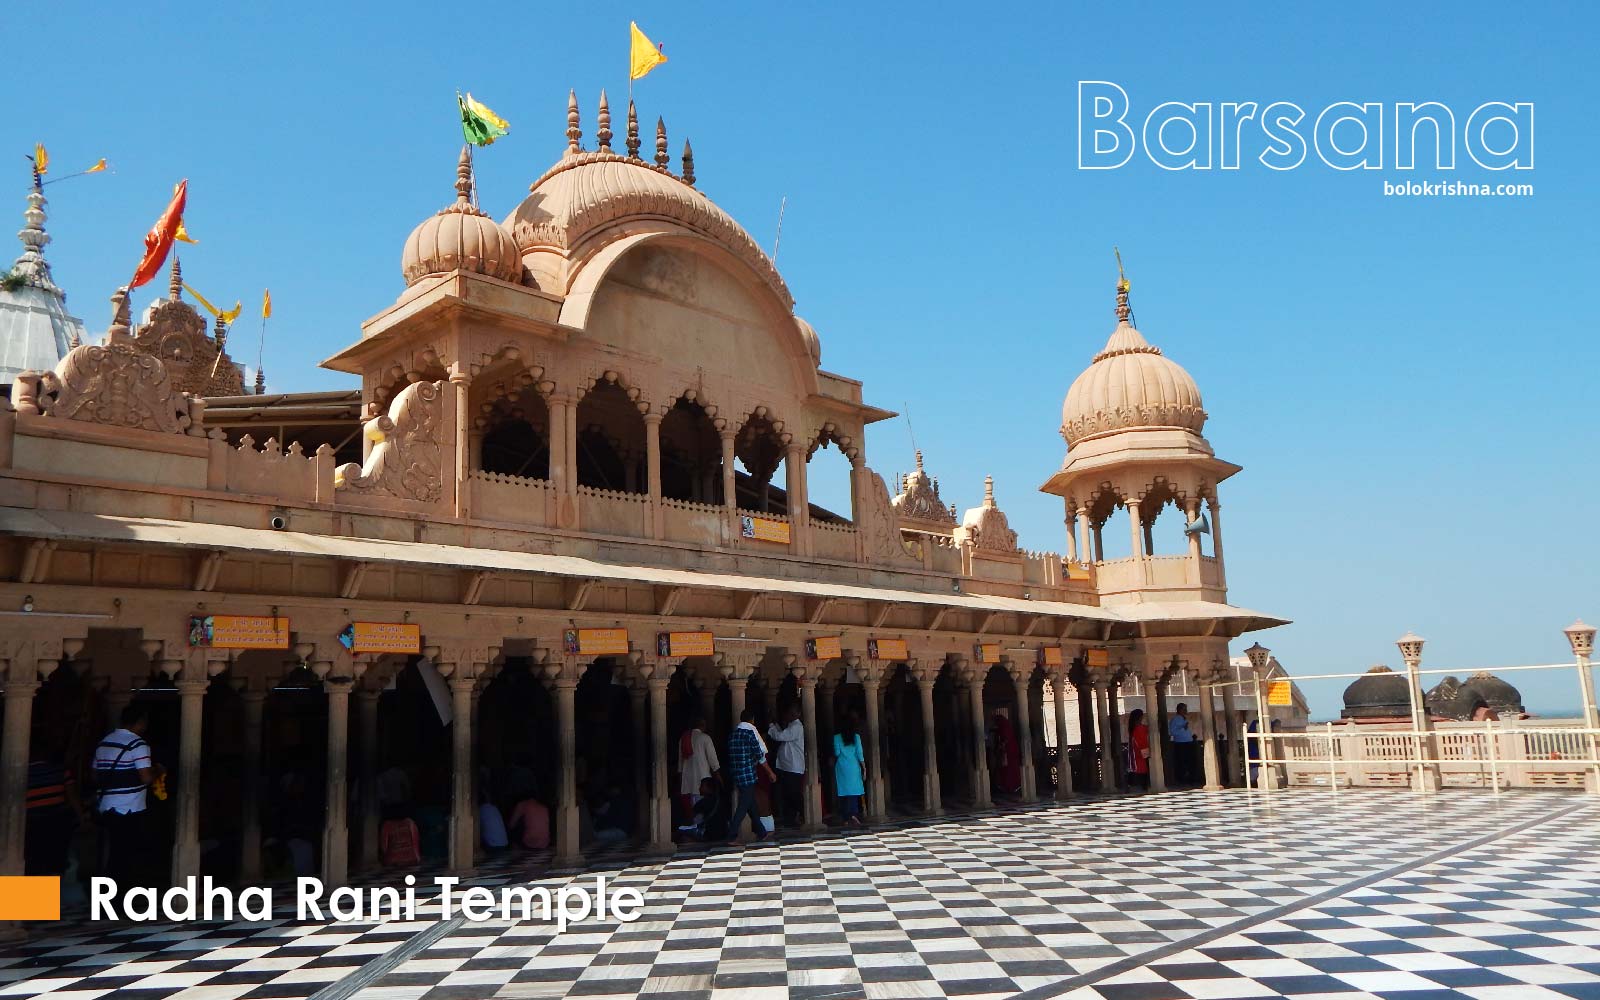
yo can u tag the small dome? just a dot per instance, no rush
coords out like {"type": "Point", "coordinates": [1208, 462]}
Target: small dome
{"type": "Point", "coordinates": [1130, 384]}
{"type": "Point", "coordinates": [1381, 694]}
{"type": "Point", "coordinates": [813, 342]}
{"type": "Point", "coordinates": [1501, 696]}
{"type": "Point", "coordinates": [461, 238]}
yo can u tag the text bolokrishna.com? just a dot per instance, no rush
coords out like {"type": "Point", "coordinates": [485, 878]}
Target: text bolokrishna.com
{"type": "Point", "coordinates": [202, 899]}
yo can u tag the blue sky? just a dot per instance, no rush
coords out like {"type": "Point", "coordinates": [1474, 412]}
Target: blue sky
{"type": "Point", "coordinates": [1408, 383]}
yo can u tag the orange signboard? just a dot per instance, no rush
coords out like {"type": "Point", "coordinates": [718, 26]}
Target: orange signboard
{"type": "Point", "coordinates": [764, 529]}
{"type": "Point", "coordinates": [1280, 693]}
{"type": "Point", "coordinates": [685, 643]}
{"type": "Point", "coordinates": [1050, 656]}
{"type": "Point", "coordinates": [823, 647]}
{"type": "Point", "coordinates": [987, 652]}
{"type": "Point", "coordinates": [1098, 658]}
{"type": "Point", "coordinates": [887, 649]}
{"type": "Point", "coordinates": [595, 641]}
{"type": "Point", "coordinates": [238, 632]}
{"type": "Point", "coordinates": [382, 637]}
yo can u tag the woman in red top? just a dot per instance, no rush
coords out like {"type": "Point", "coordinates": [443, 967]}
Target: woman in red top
{"type": "Point", "coordinates": [1138, 750]}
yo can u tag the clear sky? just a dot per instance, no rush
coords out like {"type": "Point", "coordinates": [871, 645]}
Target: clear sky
{"type": "Point", "coordinates": [1409, 384]}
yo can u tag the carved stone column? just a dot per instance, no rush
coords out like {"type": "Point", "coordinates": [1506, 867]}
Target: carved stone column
{"type": "Point", "coordinates": [799, 499]}
{"type": "Point", "coordinates": [1058, 686]}
{"type": "Point", "coordinates": [1024, 727]}
{"type": "Point", "coordinates": [1157, 762]}
{"type": "Point", "coordinates": [982, 796]}
{"type": "Point", "coordinates": [253, 696]}
{"type": "Point", "coordinates": [658, 678]}
{"type": "Point", "coordinates": [1101, 680]}
{"type": "Point", "coordinates": [730, 499]}
{"type": "Point", "coordinates": [461, 467]}
{"type": "Point", "coordinates": [563, 674]}
{"type": "Point", "coordinates": [1216, 539]}
{"type": "Point", "coordinates": [1208, 732]}
{"type": "Point", "coordinates": [336, 819]}
{"type": "Point", "coordinates": [192, 684]}
{"type": "Point", "coordinates": [871, 679]}
{"type": "Point", "coordinates": [22, 683]}
{"type": "Point", "coordinates": [927, 674]}
{"type": "Point", "coordinates": [806, 680]}
{"type": "Point", "coordinates": [1086, 528]}
{"type": "Point", "coordinates": [368, 699]}
{"type": "Point", "coordinates": [1230, 730]}
{"type": "Point", "coordinates": [562, 476]}
{"type": "Point", "coordinates": [463, 810]}
{"type": "Point", "coordinates": [826, 727]}
{"type": "Point", "coordinates": [652, 475]}
{"type": "Point", "coordinates": [638, 707]}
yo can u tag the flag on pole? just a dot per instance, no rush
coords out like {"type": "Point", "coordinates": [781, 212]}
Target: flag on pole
{"type": "Point", "coordinates": [480, 125]}
{"type": "Point", "coordinates": [266, 303]}
{"type": "Point", "coordinates": [644, 55]}
{"type": "Point", "coordinates": [182, 235]}
{"type": "Point", "coordinates": [99, 166]}
{"type": "Point", "coordinates": [226, 318]}
{"type": "Point", "coordinates": [41, 159]}
{"type": "Point", "coordinates": [158, 241]}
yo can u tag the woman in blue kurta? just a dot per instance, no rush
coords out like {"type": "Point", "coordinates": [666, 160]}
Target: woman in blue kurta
{"type": "Point", "coordinates": [849, 770]}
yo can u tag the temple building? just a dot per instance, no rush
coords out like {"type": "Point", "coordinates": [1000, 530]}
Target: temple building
{"type": "Point", "coordinates": [36, 330]}
{"type": "Point", "coordinates": [567, 512]}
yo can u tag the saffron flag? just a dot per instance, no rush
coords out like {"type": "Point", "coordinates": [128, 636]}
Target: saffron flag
{"type": "Point", "coordinates": [643, 54]}
{"type": "Point", "coordinates": [182, 235]}
{"type": "Point", "coordinates": [158, 241]}
{"type": "Point", "coordinates": [41, 159]}
{"type": "Point", "coordinates": [226, 318]}
{"type": "Point", "coordinates": [99, 166]}
{"type": "Point", "coordinates": [480, 125]}
{"type": "Point", "coordinates": [266, 303]}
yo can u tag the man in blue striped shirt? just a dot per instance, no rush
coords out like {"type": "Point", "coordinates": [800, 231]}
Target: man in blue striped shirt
{"type": "Point", "coordinates": [123, 773]}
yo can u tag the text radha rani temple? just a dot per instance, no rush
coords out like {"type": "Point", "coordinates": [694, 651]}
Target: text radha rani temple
{"type": "Point", "coordinates": [575, 486]}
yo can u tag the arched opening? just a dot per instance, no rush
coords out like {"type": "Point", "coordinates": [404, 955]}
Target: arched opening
{"type": "Point", "coordinates": [611, 444]}
{"type": "Point", "coordinates": [759, 450]}
{"type": "Point", "coordinates": [512, 429]}
{"type": "Point", "coordinates": [1161, 504]}
{"type": "Point", "coordinates": [828, 481]}
{"type": "Point", "coordinates": [1111, 538]}
{"type": "Point", "coordinates": [1004, 736]}
{"type": "Point", "coordinates": [691, 454]}
{"type": "Point", "coordinates": [901, 731]}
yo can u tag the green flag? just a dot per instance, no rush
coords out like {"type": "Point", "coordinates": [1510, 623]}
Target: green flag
{"type": "Point", "coordinates": [480, 125]}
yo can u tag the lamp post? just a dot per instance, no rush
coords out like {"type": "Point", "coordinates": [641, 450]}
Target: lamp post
{"type": "Point", "coordinates": [1581, 637]}
{"type": "Point", "coordinates": [1426, 778]}
{"type": "Point", "coordinates": [1260, 657]}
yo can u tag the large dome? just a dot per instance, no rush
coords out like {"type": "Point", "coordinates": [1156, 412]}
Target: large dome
{"type": "Point", "coordinates": [461, 238]}
{"type": "Point", "coordinates": [1130, 384]}
{"type": "Point", "coordinates": [1380, 693]}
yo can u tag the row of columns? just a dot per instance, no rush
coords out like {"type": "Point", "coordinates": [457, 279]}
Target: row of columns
{"type": "Point", "coordinates": [1085, 544]}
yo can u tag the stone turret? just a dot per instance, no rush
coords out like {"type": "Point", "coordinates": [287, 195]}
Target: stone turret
{"type": "Point", "coordinates": [36, 330]}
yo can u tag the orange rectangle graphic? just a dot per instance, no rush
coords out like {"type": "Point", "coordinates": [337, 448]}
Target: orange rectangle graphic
{"type": "Point", "coordinates": [987, 652]}
{"type": "Point", "coordinates": [764, 529]}
{"type": "Point", "coordinates": [887, 649]}
{"type": "Point", "coordinates": [1050, 656]}
{"type": "Point", "coordinates": [1097, 657]}
{"type": "Point", "coordinates": [30, 897]}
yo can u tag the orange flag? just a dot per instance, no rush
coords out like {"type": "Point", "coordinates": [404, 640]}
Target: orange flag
{"type": "Point", "coordinates": [158, 241]}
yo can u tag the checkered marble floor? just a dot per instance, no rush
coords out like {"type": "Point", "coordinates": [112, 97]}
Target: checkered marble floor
{"type": "Point", "coordinates": [1303, 894]}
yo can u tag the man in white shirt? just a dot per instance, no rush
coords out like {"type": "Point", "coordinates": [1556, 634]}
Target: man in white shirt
{"type": "Point", "coordinates": [788, 736]}
{"type": "Point", "coordinates": [698, 762]}
{"type": "Point", "coordinates": [123, 773]}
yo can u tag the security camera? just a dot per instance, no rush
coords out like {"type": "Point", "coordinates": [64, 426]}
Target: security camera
{"type": "Point", "coordinates": [279, 522]}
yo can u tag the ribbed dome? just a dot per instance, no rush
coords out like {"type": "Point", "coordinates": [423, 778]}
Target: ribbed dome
{"type": "Point", "coordinates": [460, 237]}
{"type": "Point", "coordinates": [1501, 695]}
{"type": "Point", "coordinates": [1130, 384]}
{"type": "Point", "coordinates": [1380, 694]}
{"type": "Point", "coordinates": [587, 191]}
{"type": "Point", "coordinates": [813, 342]}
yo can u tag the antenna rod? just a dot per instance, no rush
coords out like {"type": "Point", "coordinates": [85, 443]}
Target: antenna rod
{"type": "Point", "coordinates": [776, 240]}
{"type": "Point", "coordinates": [909, 430]}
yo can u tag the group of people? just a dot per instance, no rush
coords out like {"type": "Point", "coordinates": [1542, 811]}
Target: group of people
{"type": "Point", "coordinates": [764, 785]}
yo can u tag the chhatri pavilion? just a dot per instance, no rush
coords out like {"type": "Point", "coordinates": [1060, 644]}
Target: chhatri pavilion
{"type": "Point", "coordinates": [568, 511]}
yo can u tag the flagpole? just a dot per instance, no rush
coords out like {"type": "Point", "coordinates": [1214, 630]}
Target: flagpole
{"type": "Point", "coordinates": [261, 345]}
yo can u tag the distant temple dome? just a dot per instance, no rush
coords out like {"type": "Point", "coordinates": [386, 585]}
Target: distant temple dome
{"type": "Point", "coordinates": [587, 191]}
{"type": "Point", "coordinates": [36, 331]}
{"type": "Point", "coordinates": [1501, 696]}
{"type": "Point", "coordinates": [1380, 694]}
{"type": "Point", "coordinates": [1130, 384]}
{"type": "Point", "coordinates": [460, 237]}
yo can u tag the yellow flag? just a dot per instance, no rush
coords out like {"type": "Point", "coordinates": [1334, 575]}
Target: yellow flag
{"type": "Point", "coordinates": [99, 166]}
{"type": "Point", "coordinates": [266, 303]}
{"type": "Point", "coordinates": [182, 236]}
{"type": "Point", "coordinates": [228, 317]}
{"type": "Point", "coordinates": [202, 300]}
{"type": "Point", "coordinates": [482, 111]}
{"type": "Point", "coordinates": [644, 55]}
{"type": "Point", "coordinates": [41, 159]}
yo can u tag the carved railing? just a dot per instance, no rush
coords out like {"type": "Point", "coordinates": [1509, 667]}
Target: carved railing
{"type": "Point", "coordinates": [270, 470]}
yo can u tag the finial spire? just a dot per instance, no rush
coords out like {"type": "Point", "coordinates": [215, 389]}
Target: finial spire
{"type": "Point", "coordinates": [633, 131]}
{"type": "Point", "coordinates": [221, 332]}
{"type": "Point", "coordinates": [261, 382]}
{"type": "Point", "coordinates": [919, 459]}
{"type": "Point", "coordinates": [688, 163]}
{"type": "Point", "coordinates": [574, 133]}
{"type": "Point", "coordinates": [121, 319]}
{"type": "Point", "coordinates": [31, 266]}
{"type": "Point", "coordinates": [661, 144]}
{"type": "Point", "coordinates": [604, 132]}
{"type": "Point", "coordinates": [988, 491]}
{"type": "Point", "coordinates": [464, 176]}
{"type": "Point", "coordinates": [1124, 311]}
{"type": "Point", "coordinates": [175, 286]}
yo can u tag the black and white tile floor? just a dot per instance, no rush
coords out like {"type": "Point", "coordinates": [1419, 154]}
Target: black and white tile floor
{"type": "Point", "coordinates": [1300, 894]}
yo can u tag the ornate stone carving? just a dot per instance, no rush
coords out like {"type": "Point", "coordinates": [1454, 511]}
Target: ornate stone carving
{"type": "Point", "coordinates": [919, 498]}
{"type": "Point", "coordinates": [986, 526]}
{"type": "Point", "coordinates": [114, 384]}
{"type": "Point", "coordinates": [174, 333]}
{"type": "Point", "coordinates": [407, 460]}
{"type": "Point", "coordinates": [880, 530]}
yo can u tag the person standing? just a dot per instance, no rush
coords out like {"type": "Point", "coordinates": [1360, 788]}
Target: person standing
{"type": "Point", "coordinates": [746, 752]}
{"type": "Point", "coordinates": [1183, 746]}
{"type": "Point", "coordinates": [1138, 750]}
{"type": "Point", "coordinates": [789, 760]}
{"type": "Point", "coordinates": [53, 811]}
{"type": "Point", "coordinates": [849, 772]}
{"type": "Point", "coordinates": [698, 762]}
{"type": "Point", "coordinates": [124, 772]}
{"type": "Point", "coordinates": [1007, 755]}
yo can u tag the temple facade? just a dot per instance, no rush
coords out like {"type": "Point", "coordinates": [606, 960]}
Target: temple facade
{"type": "Point", "coordinates": [577, 516]}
